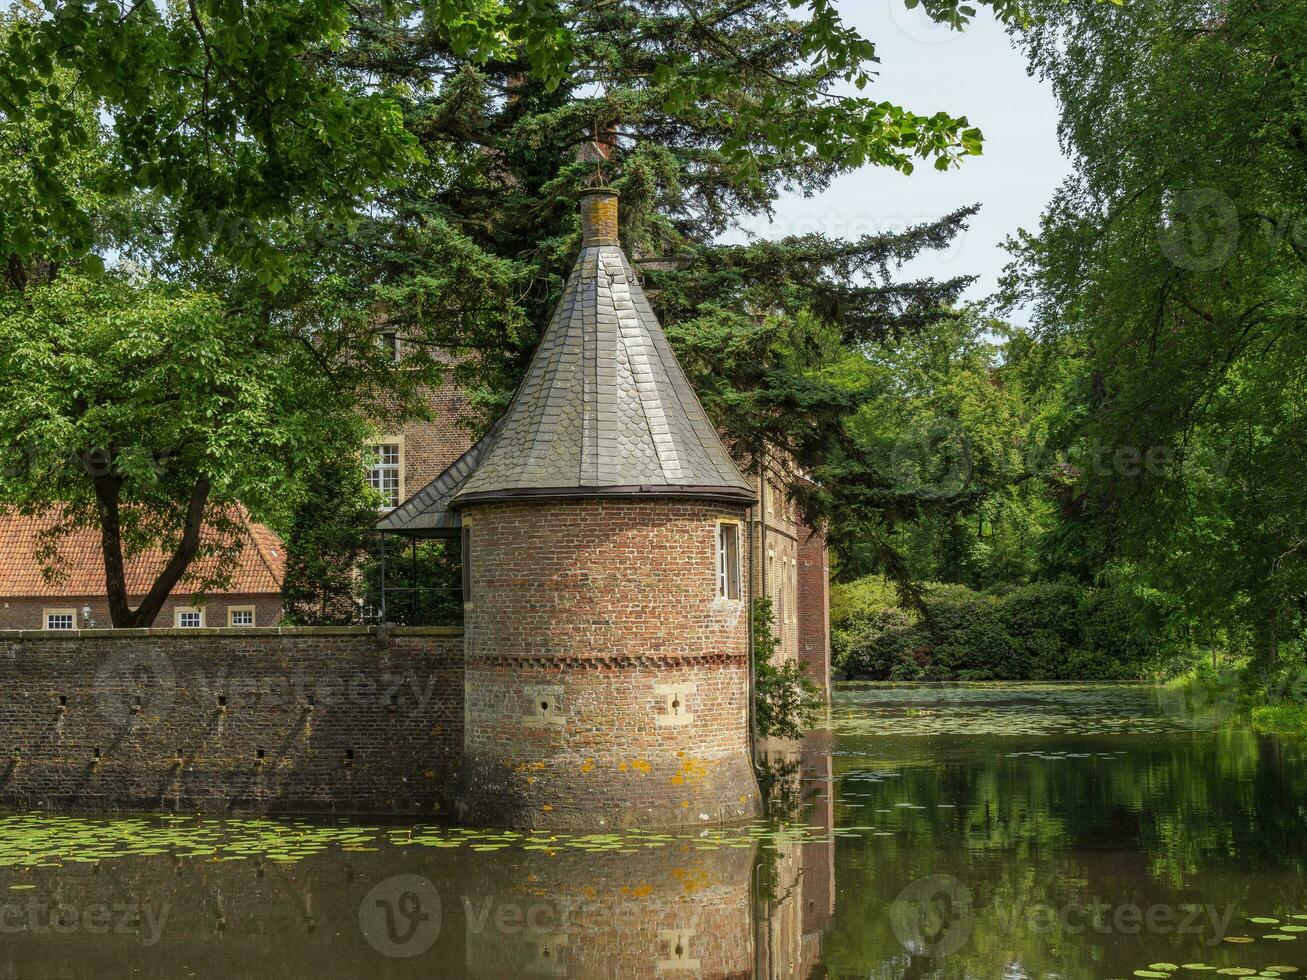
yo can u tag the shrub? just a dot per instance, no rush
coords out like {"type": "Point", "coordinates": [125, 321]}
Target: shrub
{"type": "Point", "coordinates": [878, 646]}
{"type": "Point", "coordinates": [861, 599]}
{"type": "Point", "coordinates": [1281, 719]}
{"type": "Point", "coordinates": [785, 699]}
{"type": "Point", "coordinates": [1034, 632]}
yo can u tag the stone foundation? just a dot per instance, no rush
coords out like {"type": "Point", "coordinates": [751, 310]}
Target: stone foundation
{"type": "Point", "coordinates": [610, 750]}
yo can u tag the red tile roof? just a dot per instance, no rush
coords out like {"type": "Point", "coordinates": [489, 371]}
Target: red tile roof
{"type": "Point", "coordinates": [259, 567]}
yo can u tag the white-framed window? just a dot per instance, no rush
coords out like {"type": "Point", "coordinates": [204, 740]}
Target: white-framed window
{"type": "Point", "coordinates": [59, 619]}
{"type": "Point", "coordinates": [728, 560]}
{"type": "Point", "coordinates": [240, 615]}
{"type": "Point", "coordinates": [783, 613]}
{"type": "Point", "coordinates": [391, 344]}
{"type": "Point", "coordinates": [773, 583]}
{"type": "Point", "coordinates": [188, 617]}
{"type": "Point", "coordinates": [384, 466]}
{"type": "Point", "coordinates": [794, 590]}
{"type": "Point", "coordinates": [791, 591]}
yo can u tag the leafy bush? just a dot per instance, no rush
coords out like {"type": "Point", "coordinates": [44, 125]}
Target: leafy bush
{"type": "Point", "coordinates": [1042, 631]}
{"type": "Point", "coordinates": [877, 646]}
{"type": "Point", "coordinates": [785, 699]}
{"type": "Point", "coordinates": [1281, 719]}
{"type": "Point", "coordinates": [859, 599]}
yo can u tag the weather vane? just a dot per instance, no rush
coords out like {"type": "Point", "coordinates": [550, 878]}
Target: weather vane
{"type": "Point", "coordinates": [596, 151]}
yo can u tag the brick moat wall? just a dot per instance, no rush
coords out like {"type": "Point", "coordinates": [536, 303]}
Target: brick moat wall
{"type": "Point", "coordinates": [350, 720]}
{"type": "Point", "coordinates": [607, 683]}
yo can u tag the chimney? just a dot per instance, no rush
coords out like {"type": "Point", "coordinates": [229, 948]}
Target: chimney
{"type": "Point", "coordinates": [599, 217]}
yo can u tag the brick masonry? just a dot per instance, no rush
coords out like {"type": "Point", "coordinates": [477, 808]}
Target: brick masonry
{"type": "Point", "coordinates": [427, 446]}
{"type": "Point", "coordinates": [813, 626]}
{"type": "Point", "coordinates": [792, 567]}
{"type": "Point", "coordinates": [607, 684]}
{"type": "Point", "coordinates": [346, 720]}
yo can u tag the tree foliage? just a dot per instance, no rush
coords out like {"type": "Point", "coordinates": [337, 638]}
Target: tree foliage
{"type": "Point", "coordinates": [327, 536]}
{"type": "Point", "coordinates": [145, 411]}
{"type": "Point", "coordinates": [242, 115]}
{"type": "Point", "coordinates": [786, 700]}
{"type": "Point", "coordinates": [1175, 254]}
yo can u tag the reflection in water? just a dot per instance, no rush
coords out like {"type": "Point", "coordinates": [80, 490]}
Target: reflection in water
{"type": "Point", "coordinates": [960, 832]}
{"type": "Point", "coordinates": [165, 897]}
{"type": "Point", "coordinates": [1062, 831]}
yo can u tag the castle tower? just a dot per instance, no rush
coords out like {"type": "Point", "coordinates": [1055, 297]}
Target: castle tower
{"type": "Point", "coordinates": [606, 621]}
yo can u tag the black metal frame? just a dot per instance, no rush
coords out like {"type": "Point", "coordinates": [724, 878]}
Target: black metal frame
{"type": "Point", "coordinates": [414, 592]}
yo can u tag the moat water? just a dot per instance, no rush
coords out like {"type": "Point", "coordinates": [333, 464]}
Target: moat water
{"type": "Point", "coordinates": [983, 831]}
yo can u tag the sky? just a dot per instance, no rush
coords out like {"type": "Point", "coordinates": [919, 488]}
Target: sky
{"type": "Point", "coordinates": [975, 73]}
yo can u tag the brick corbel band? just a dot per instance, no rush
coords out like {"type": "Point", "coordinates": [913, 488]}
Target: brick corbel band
{"type": "Point", "coordinates": [607, 661]}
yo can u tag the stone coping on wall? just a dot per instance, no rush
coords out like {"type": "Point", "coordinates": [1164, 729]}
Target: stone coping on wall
{"type": "Point", "coordinates": [231, 632]}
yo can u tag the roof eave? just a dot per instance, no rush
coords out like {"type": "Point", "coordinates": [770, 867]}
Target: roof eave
{"type": "Point", "coordinates": [733, 495]}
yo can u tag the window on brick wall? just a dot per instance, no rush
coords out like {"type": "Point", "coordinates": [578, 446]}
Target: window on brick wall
{"type": "Point", "coordinates": [465, 556]}
{"type": "Point", "coordinates": [728, 561]}
{"type": "Point", "coordinates": [240, 615]}
{"type": "Point", "coordinates": [188, 617]}
{"type": "Point", "coordinates": [383, 472]}
{"type": "Point", "coordinates": [784, 611]}
{"type": "Point", "coordinates": [794, 591]}
{"type": "Point", "coordinates": [60, 619]}
{"type": "Point", "coordinates": [773, 584]}
{"type": "Point", "coordinates": [390, 343]}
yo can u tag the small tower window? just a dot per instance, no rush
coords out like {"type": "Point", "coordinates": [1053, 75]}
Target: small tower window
{"type": "Point", "coordinates": [465, 540]}
{"type": "Point", "coordinates": [728, 561]}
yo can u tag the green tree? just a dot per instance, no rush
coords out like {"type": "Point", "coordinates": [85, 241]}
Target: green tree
{"type": "Point", "coordinates": [328, 536]}
{"type": "Point", "coordinates": [242, 114]}
{"type": "Point", "coordinates": [149, 412]}
{"type": "Point", "coordinates": [951, 423]}
{"type": "Point", "coordinates": [326, 171]}
{"type": "Point", "coordinates": [1175, 254]}
{"type": "Point", "coordinates": [785, 698]}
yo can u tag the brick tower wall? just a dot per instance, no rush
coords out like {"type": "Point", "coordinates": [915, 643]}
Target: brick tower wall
{"type": "Point", "coordinates": [607, 684]}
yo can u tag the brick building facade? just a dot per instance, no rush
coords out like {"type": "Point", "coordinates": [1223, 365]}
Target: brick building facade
{"type": "Point", "coordinates": [72, 595]}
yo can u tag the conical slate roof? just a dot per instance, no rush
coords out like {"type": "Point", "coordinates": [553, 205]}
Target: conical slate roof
{"type": "Point", "coordinates": [604, 408]}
